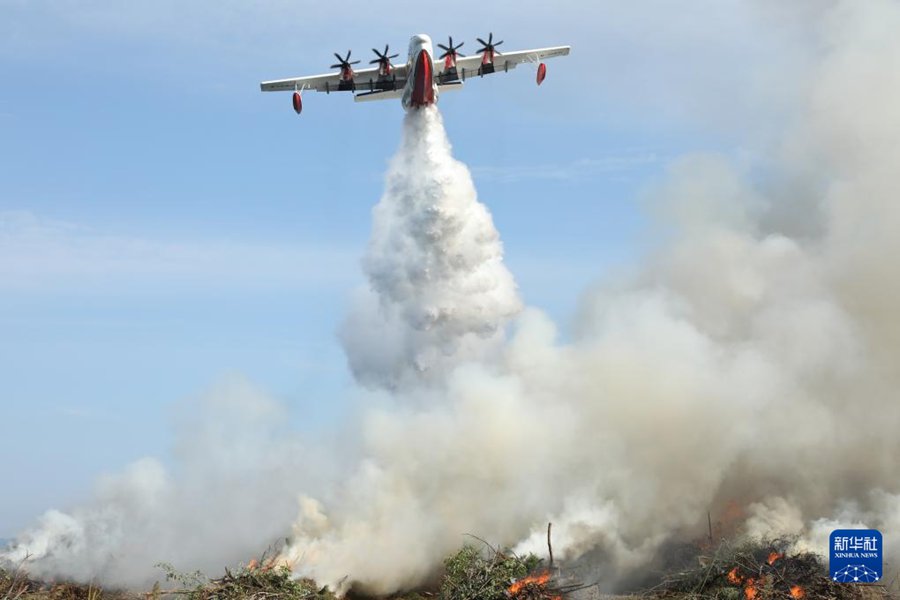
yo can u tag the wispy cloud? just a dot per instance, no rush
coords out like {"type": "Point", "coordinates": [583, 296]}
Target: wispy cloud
{"type": "Point", "coordinates": [616, 165]}
{"type": "Point", "coordinates": [37, 253]}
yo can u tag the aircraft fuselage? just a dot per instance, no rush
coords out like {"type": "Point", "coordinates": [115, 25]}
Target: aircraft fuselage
{"type": "Point", "coordinates": [420, 89]}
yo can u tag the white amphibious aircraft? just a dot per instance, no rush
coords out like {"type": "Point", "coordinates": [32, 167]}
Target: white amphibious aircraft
{"type": "Point", "coordinates": [419, 82]}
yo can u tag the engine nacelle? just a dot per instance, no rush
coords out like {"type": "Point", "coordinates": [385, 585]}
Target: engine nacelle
{"type": "Point", "coordinates": [297, 102]}
{"type": "Point", "coordinates": [541, 73]}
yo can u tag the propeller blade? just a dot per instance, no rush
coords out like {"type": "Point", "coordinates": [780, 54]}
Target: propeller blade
{"type": "Point", "coordinates": [338, 57]}
{"type": "Point", "coordinates": [498, 43]}
{"type": "Point", "coordinates": [483, 43]}
{"type": "Point", "coordinates": [377, 53]}
{"type": "Point", "coordinates": [393, 56]}
{"type": "Point", "coordinates": [336, 66]}
{"type": "Point", "coordinates": [491, 38]}
{"type": "Point", "coordinates": [348, 56]}
{"type": "Point", "coordinates": [451, 50]}
{"type": "Point", "coordinates": [386, 49]}
{"type": "Point", "coordinates": [355, 62]}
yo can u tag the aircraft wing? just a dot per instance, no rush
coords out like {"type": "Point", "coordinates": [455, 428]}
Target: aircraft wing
{"type": "Point", "coordinates": [467, 66]}
{"type": "Point", "coordinates": [365, 80]}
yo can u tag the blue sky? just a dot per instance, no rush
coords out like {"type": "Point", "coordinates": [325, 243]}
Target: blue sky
{"type": "Point", "coordinates": [163, 224]}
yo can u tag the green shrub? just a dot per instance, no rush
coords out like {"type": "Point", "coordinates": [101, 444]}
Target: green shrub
{"type": "Point", "coordinates": [261, 583]}
{"type": "Point", "coordinates": [483, 573]}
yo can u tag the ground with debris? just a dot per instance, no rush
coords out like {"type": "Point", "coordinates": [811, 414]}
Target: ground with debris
{"type": "Point", "coordinates": [761, 570]}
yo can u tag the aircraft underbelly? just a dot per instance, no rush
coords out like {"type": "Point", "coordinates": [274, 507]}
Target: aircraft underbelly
{"type": "Point", "coordinates": [420, 88]}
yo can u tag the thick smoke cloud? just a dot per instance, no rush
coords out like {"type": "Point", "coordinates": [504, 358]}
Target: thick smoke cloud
{"type": "Point", "coordinates": [749, 367]}
{"type": "Point", "coordinates": [743, 363]}
{"type": "Point", "coordinates": [231, 494]}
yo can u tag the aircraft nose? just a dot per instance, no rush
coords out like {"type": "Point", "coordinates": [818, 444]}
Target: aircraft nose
{"type": "Point", "coordinates": [419, 41]}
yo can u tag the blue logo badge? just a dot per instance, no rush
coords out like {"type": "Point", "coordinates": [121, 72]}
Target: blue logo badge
{"type": "Point", "coordinates": [856, 555]}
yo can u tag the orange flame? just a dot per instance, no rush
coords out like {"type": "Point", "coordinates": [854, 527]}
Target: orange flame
{"type": "Point", "coordinates": [750, 590]}
{"type": "Point", "coordinates": [773, 556]}
{"type": "Point", "coordinates": [797, 592]}
{"type": "Point", "coordinates": [267, 564]}
{"type": "Point", "coordinates": [539, 580]}
{"type": "Point", "coordinates": [733, 577]}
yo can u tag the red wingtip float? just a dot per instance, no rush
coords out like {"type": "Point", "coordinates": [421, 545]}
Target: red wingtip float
{"type": "Point", "coordinates": [421, 79]}
{"type": "Point", "coordinates": [541, 73]}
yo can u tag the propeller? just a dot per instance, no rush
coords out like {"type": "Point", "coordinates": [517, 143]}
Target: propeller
{"type": "Point", "coordinates": [451, 50]}
{"type": "Point", "coordinates": [382, 56]}
{"type": "Point", "coordinates": [490, 45]}
{"type": "Point", "coordinates": [343, 63]}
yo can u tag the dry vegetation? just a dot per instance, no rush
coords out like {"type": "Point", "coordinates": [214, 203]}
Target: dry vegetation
{"type": "Point", "coordinates": [752, 571]}
{"type": "Point", "coordinates": [760, 570]}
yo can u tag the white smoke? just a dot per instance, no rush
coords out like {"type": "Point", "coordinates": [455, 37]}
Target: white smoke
{"type": "Point", "coordinates": [751, 360]}
{"type": "Point", "coordinates": [231, 495]}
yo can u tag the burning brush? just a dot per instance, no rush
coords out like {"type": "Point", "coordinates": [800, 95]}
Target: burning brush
{"type": "Point", "coordinates": [753, 584]}
{"type": "Point", "coordinates": [761, 571]}
{"type": "Point", "coordinates": [542, 586]}
{"type": "Point", "coordinates": [490, 573]}
{"type": "Point", "coordinates": [533, 587]}
{"type": "Point", "coordinates": [537, 585]}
